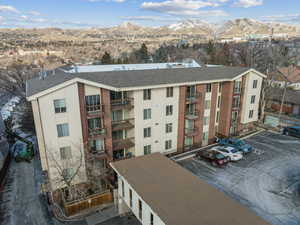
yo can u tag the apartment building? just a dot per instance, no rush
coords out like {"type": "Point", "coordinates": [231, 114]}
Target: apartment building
{"type": "Point", "coordinates": [108, 113]}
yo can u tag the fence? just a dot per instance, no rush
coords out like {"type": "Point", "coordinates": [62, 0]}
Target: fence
{"type": "Point", "coordinates": [90, 202]}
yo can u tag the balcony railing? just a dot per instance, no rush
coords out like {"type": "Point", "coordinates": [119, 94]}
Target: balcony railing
{"type": "Point", "coordinates": [191, 131]}
{"type": "Point", "coordinates": [94, 110]}
{"type": "Point", "coordinates": [192, 115]}
{"type": "Point", "coordinates": [97, 132]}
{"type": "Point", "coordinates": [123, 143]}
{"type": "Point", "coordinates": [95, 151]}
{"type": "Point", "coordinates": [193, 97]}
{"type": "Point", "coordinates": [122, 124]}
{"type": "Point", "coordinates": [237, 90]}
{"type": "Point", "coordinates": [122, 102]}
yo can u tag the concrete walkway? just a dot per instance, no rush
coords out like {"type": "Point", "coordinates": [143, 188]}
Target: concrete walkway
{"type": "Point", "coordinates": [102, 216]}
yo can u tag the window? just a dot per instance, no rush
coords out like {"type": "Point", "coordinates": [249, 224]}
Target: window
{"type": "Point", "coordinates": [60, 105]}
{"type": "Point", "coordinates": [147, 132]}
{"type": "Point", "coordinates": [67, 173]}
{"type": "Point", "coordinates": [220, 87]}
{"type": "Point", "coordinates": [117, 115]}
{"type": "Point", "coordinates": [234, 116]}
{"type": "Point", "coordinates": [151, 219]}
{"type": "Point", "coordinates": [147, 114]}
{"type": "Point", "coordinates": [169, 110]}
{"type": "Point", "coordinates": [237, 87]}
{"type": "Point", "coordinates": [219, 101]}
{"type": "Point", "coordinates": [62, 130]}
{"type": "Point", "coordinates": [169, 92]}
{"type": "Point", "coordinates": [255, 84]}
{"type": "Point", "coordinates": [147, 149]}
{"type": "Point", "coordinates": [236, 102]}
{"type": "Point", "coordinates": [218, 117]}
{"type": "Point", "coordinates": [92, 103]}
{"type": "Point", "coordinates": [95, 126]}
{"type": "Point", "coordinates": [208, 88]}
{"type": "Point", "coordinates": [188, 141]}
{"type": "Point", "coordinates": [205, 136]}
{"type": "Point", "coordinates": [191, 91]}
{"type": "Point", "coordinates": [119, 134]}
{"type": "Point", "coordinates": [207, 104]}
{"type": "Point", "coordinates": [123, 191]}
{"type": "Point", "coordinates": [140, 210]}
{"type": "Point", "coordinates": [252, 99]}
{"type": "Point", "coordinates": [130, 198]}
{"type": "Point", "coordinates": [169, 127]}
{"type": "Point", "coordinates": [251, 112]}
{"type": "Point", "coordinates": [205, 120]}
{"type": "Point", "coordinates": [65, 153]}
{"type": "Point", "coordinates": [96, 145]}
{"type": "Point", "coordinates": [168, 144]}
{"type": "Point", "coordinates": [147, 94]}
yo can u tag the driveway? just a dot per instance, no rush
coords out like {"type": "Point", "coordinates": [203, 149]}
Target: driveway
{"type": "Point", "coordinates": [267, 180]}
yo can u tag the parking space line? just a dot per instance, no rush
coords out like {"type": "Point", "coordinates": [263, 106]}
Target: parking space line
{"type": "Point", "coordinates": [205, 164]}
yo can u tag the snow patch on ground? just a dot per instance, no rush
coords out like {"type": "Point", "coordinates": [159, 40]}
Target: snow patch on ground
{"type": "Point", "coordinates": [8, 108]}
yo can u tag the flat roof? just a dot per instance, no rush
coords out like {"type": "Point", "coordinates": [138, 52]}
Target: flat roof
{"type": "Point", "coordinates": [178, 197]}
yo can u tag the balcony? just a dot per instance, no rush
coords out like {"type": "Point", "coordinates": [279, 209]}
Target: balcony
{"type": "Point", "coordinates": [193, 97]}
{"type": "Point", "coordinates": [237, 90]}
{"type": "Point", "coordinates": [98, 132]}
{"type": "Point", "coordinates": [122, 103]}
{"type": "Point", "coordinates": [97, 153]}
{"type": "Point", "coordinates": [94, 110]}
{"type": "Point", "coordinates": [192, 147]}
{"type": "Point", "coordinates": [123, 143]}
{"type": "Point", "coordinates": [122, 124]}
{"type": "Point", "coordinates": [189, 132]}
{"type": "Point", "coordinates": [192, 115]}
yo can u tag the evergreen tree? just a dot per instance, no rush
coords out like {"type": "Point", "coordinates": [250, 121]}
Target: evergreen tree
{"type": "Point", "coordinates": [142, 54]}
{"type": "Point", "coordinates": [106, 59]}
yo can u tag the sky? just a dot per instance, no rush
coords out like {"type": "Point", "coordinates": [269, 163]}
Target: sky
{"type": "Point", "coordinates": [106, 13]}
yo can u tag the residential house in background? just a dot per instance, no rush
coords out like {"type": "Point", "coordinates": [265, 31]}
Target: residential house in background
{"type": "Point", "coordinates": [113, 112]}
{"type": "Point", "coordinates": [289, 76]}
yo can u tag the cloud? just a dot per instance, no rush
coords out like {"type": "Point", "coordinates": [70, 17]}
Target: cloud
{"type": "Point", "coordinates": [34, 13]}
{"type": "Point", "coordinates": [8, 8]}
{"type": "Point", "coordinates": [287, 18]}
{"type": "Point", "coordinates": [248, 3]}
{"type": "Point", "coordinates": [119, 1]}
{"type": "Point", "coordinates": [151, 18]}
{"type": "Point", "coordinates": [185, 7]}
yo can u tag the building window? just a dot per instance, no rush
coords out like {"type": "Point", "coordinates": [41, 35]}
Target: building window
{"type": "Point", "coordinates": [219, 102]}
{"type": "Point", "coordinates": [208, 88]}
{"type": "Point", "coordinates": [92, 103]}
{"type": "Point", "coordinates": [169, 92]}
{"type": "Point", "coordinates": [117, 115]}
{"type": "Point", "coordinates": [95, 126]}
{"type": "Point", "coordinates": [140, 210]}
{"type": "Point", "coordinates": [168, 144]}
{"type": "Point", "coordinates": [234, 116]}
{"type": "Point", "coordinates": [188, 141]}
{"type": "Point", "coordinates": [237, 87]}
{"type": "Point", "coordinates": [60, 106]}
{"type": "Point", "coordinates": [67, 173]}
{"type": "Point", "coordinates": [205, 136]}
{"type": "Point", "coordinates": [96, 145]}
{"type": "Point", "coordinates": [205, 120]}
{"type": "Point", "coordinates": [130, 198]}
{"type": "Point", "coordinates": [169, 110]}
{"type": "Point", "coordinates": [147, 149]}
{"type": "Point", "coordinates": [236, 102]}
{"type": "Point", "coordinates": [255, 84]}
{"type": "Point", "coordinates": [251, 112]}
{"type": "Point", "coordinates": [151, 219]}
{"type": "Point", "coordinates": [218, 117]}
{"type": "Point", "coordinates": [220, 87]}
{"type": "Point", "coordinates": [169, 127]}
{"type": "Point", "coordinates": [147, 132]}
{"type": "Point", "coordinates": [147, 114]}
{"type": "Point", "coordinates": [62, 130]}
{"type": "Point", "coordinates": [147, 94]}
{"type": "Point", "coordinates": [123, 191]}
{"type": "Point", "coordinates": [191, 91]}
{"type": "Point", "coordinates": [252, 99]}
{"type": "Point", "coordinates": [65, 153]}
{"type": "Point", "coordinates": [207, 104]}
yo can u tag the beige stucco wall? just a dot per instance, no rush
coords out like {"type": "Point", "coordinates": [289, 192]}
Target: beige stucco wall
{"type": "Point", "coordinates": [158, 120]}
{"type": "Point", "coordinates": [249, 91]}
{"type": "Point", "coordinates": [52, 142]}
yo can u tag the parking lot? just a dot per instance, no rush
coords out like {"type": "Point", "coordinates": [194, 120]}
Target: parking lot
{"type": "Point", "coordinates": [267, 180]}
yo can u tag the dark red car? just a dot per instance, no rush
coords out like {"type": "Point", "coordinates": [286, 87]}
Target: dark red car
{"type": "Point", "coordinates": [215, 158]}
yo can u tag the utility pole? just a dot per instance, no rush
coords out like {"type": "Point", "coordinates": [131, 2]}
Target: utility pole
{"type": "Point", "coordinates": [284, 91]}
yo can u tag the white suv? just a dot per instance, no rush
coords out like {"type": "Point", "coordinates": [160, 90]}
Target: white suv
{"type": "Point", "coordinates": [231, 152]}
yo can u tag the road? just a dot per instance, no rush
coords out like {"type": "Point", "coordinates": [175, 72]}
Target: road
{"type": "Point", "coordinates": [267, 181]}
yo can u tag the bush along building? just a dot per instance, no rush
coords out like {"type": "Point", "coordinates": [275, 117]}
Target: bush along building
{"type": "Point", "coordinates": [89, 116]}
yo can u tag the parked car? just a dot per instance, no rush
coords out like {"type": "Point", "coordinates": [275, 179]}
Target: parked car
{"type": "Point", "coordinates": [216, 159]}
{"type": "Point", "coordinates": [232, 153]}
{"type": "Point", "coordinates": [292, 131]}
{"type": "Point", "coordinates": [239, 144]}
